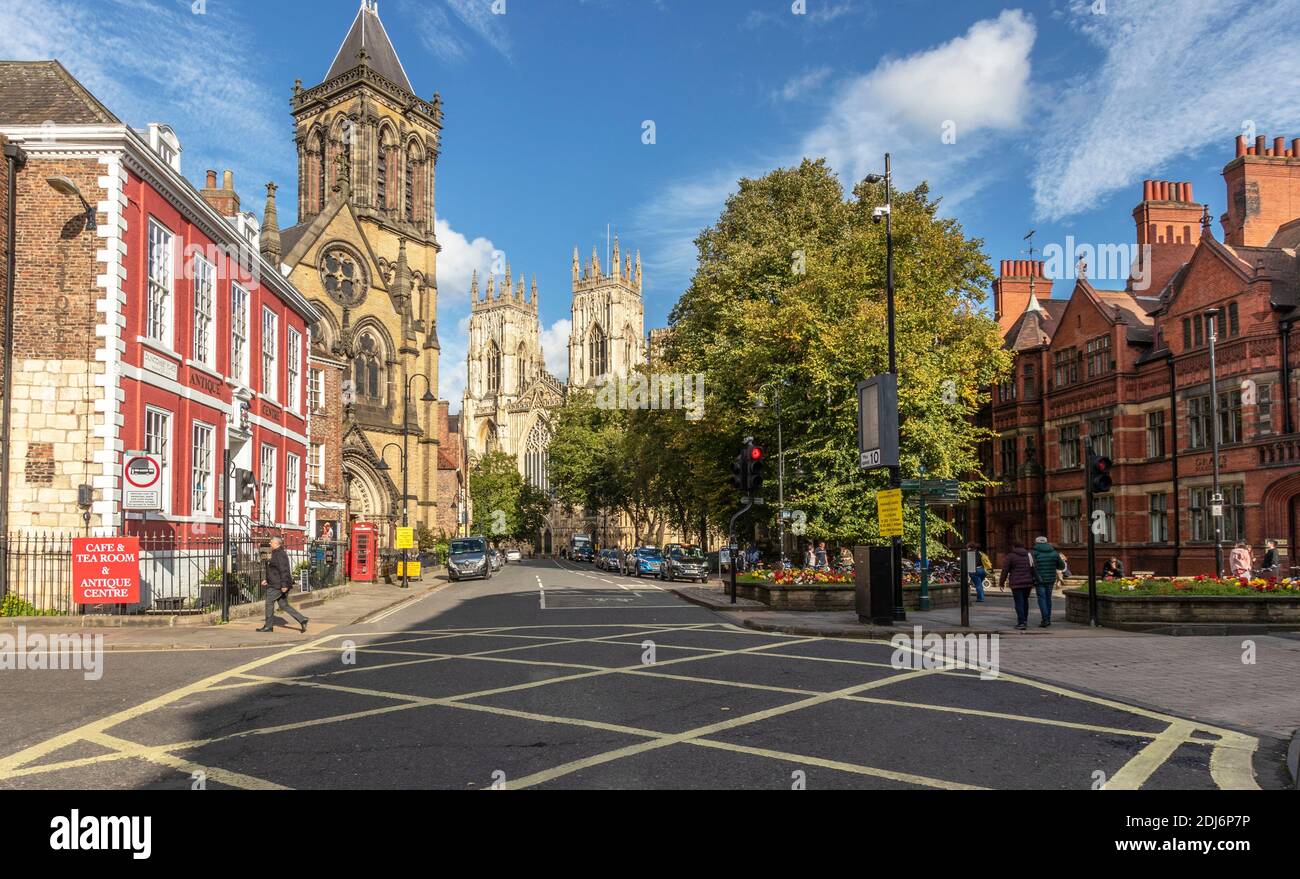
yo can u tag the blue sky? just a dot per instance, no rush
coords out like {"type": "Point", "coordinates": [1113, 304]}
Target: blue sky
{"type": "Point", "coordinates": [1060, 108]}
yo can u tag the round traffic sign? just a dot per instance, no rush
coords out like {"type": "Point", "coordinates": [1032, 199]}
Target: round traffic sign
{"type": "Point", "coordinates": [143, 471]}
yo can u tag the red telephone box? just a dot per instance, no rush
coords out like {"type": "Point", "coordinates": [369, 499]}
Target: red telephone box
{"type": "Point", "coordinates": [363, 552]}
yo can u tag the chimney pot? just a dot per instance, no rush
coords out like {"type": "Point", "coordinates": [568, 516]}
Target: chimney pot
{"type": "Point", "coordinates": [1187, 193]}
{"type": "Point", "coordinates": [228, 179]}
{"type": "Point", "coordinates": [1279, 146]}
{"type": "Point", "coordinates": [1260, 149]}
{"type": "Point", "coordinates": [1295, 147]}
{"type": "Point", "coordinates": [1241, 145]}
{"type": "Point", "coordinates": [212, 180]}
{"type": "Point", "coordinates": [1163, 190]}
{"type": "Point", "coordinates": [1148, 190]}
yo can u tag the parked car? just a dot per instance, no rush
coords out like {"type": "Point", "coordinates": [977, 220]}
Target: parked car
{"type": "Point", "coordinates": [497, 559]}
{"type": "Point", "coordinates": [607, 560]}
{"type": "Point", "coordinates": [647, 561]}
{"type": "Point", "coordinates": [683, 562]}
{"type": "Point", "coordinates": [468, 558]}
{"type": "Point", "coordinates": [514, 555]}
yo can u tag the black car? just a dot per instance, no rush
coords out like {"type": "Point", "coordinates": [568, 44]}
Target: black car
{"type": "Point", "coordinates": [582, 553]}
{"type": "Point", "coordinates": [684, 562]}
{"type": "Point", "coordinates": [468, 558]}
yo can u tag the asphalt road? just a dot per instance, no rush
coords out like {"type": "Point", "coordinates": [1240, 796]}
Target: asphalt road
{"type": "Point", "coordinates": [554, 675]}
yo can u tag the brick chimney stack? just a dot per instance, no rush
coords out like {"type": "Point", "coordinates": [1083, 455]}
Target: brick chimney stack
{"type": "Point", "coordinates": [1011, 289]}
{"type": "Point", "coordinates": [224, 199]}
{"type": "Point", "coordinates": [1263, 184]}
{"type": "Point", "coordinates": [1168, 221]}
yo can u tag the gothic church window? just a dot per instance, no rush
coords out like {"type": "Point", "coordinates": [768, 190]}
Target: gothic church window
{"type": "Point", "coordinates": [343, 277]}
{"type": "Point", "coordinates": [493, 364]}
{"type": "Point", "coordinates": [598, 352]}
{"type": "Point", "coordinates": [537, 458]}
{"type": "Point", "coordinates": [367, 370]}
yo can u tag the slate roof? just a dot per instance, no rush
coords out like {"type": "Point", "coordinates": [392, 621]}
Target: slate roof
{"type": "Point", "coordinates": [33, 92]}
{"type": "Point", "coordinates": [367, 33]}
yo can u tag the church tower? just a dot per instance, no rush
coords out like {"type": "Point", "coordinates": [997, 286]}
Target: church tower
{"type": "Point", "coordinates": [503, 360]}
{"type": "Point", "coordinates": [608, 321]}
{"type": "Point", "coordinates": [365, 252]}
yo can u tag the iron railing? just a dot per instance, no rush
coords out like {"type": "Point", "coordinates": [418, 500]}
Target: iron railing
{"type": "Point", "coordinates": [178, 574]}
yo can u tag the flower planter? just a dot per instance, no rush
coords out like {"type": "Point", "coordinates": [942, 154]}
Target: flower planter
{"type": "Point", "coordinates": [836, 596]}
{"type": "Point", "coordinates": [1138, 611]}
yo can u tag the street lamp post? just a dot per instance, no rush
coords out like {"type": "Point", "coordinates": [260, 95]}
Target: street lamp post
{"type": "Point", "coordinates": [382, 467]}
{"type": "Point", "coordinates": [895, 474]}
{"type": "Point", "coordinates": [406, 435]}
{"type": "Point", "coordinates": [1216, 502]}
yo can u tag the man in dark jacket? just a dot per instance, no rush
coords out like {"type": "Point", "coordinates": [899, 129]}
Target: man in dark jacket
{"type": "Point", "coordinates": [279, 577]}
{"type": "Point", "coordinates": [1047, 561]}
{"type": "Point", "coordinates": [1018, 568]}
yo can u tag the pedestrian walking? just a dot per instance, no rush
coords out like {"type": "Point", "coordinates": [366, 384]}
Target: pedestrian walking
{"type": "Point", "coordinates": [1271, 566]}
{"type": "Point", "coordinates": [1241, 562]}
{"type": "Point", "coordinates": [978, 575]}
{"type": "Point", "coordinates": [279, 577]}
{"type": "Point", "coordinates": [1047, 562]}
{"type": "Point", "coordinates": [810, 557]}
{"type": "Point", "coordinates": [1018, 569]}
{"type": "Point", "coordinates": [820, 561]}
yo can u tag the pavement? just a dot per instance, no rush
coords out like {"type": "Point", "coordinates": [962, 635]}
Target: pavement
{"type": "Point", "coordinates": [552, 675]}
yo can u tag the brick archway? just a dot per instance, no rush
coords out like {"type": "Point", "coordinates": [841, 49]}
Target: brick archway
{"type": "Point", "coordinates": [1281, 508]}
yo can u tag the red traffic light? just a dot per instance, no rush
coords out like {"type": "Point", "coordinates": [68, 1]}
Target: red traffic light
{"type": "Point", "coordinates": [1101, 464]}
{"type": "Point", "coordinates": [755, 453]}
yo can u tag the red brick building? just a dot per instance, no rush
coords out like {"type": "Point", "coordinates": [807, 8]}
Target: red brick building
{"type": "Point", "coordinates": [145, 319]}
{"type": "Point", "coordinates": [1128, 370]}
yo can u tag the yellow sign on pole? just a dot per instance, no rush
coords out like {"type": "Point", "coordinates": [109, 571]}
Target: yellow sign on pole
{"type": "Point", "coordinates": [405, 538]}
{"type": "Point", "coordinates": [889, 512]}
{"type": "Point", "coordinates": [411, 569]}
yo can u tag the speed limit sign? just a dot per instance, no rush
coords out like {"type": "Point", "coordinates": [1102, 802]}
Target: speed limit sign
{"type": "Point", "coordinates": [142, 483]}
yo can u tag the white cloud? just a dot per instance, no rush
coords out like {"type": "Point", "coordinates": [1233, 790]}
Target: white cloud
{"type": "Point", "coordinates": [555, 348]}
{"type": "Point", "coordinates": [453, 40]}
{"type": "Point", "coordinates": [979, 81]}
{"type": "Point", "coordinates": [204, 83]}
{"type": "Point", "coordinates": [457, 262]}
{"type": "Point", "coordinates": [801, 85]}
{"type": "Point", "coordinates": [1175, 77]}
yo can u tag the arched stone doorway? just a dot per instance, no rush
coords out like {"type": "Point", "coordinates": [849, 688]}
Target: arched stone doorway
{"type": "Point", "coordinates": [371, 496]}
{"type": "Point", "coordinates": [1281, 508]}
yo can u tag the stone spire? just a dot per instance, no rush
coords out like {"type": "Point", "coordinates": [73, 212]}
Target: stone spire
{"type": "Point", "coordinates": [577, 266]}
{"type": "Point", "coordinates": [534, 298]}
{"type": "Point", "coordinates": [595, 262]}
{"type": "Point", "coordinates": [617, 262]}
{"type": "Point", "coordinates": [270, 237]}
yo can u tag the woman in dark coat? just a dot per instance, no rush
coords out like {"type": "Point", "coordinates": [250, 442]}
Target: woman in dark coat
{"type": "Point", "coordinates": [1018, 568]}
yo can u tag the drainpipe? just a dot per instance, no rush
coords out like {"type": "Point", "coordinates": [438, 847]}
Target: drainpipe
{"type": "Point", "coordinates": [15, 159]}
{"type": "Point", "coordinates": [1173, 456]}
{"type": "Point", "coordinates": [1284, 332]}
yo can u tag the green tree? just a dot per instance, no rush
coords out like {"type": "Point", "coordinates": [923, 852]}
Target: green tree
{"type": "Point", "coordinates": [789, 294]}
{"type": "Point", "coordinates": [495, 486]}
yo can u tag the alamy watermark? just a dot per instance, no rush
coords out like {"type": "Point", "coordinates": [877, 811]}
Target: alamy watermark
{"type": "Point", "coordinates": [657, 390]}
{"type": "Point", "coordinates": [933, 652]}
{"type": "Point", "coordinates": [37, 652]}
{"type": "Point", "coordinates": [1102, 262]}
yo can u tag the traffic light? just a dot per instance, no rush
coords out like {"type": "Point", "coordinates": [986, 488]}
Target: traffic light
{"type": "Point", "coordinates": [738, 475]}
{"type": "Point", "coordinates": [1099, 473]}
{"type": "Point", "coordinates": [245, 486]}
{"type": "Point", "coordinates": [755, 455]}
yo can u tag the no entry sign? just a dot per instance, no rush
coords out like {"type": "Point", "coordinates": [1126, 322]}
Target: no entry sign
{"type": "Point", "coordinates": [142, 482]}
{"type": "Point", "coordinates": [106, 570]}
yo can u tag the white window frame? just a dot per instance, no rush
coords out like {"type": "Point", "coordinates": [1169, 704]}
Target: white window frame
{"type": "Point", "coordinates": [270, 352]}
{"type": "Point", "coordinates": [292, 480]}
{"type": "Point", "coordinates": [316, 463]}
{"type": "Point", "coordinates": [239, 307]}
{"type": "Point", "coordinates": [266, 483]}
{"type": "Point", "coordinates": [205, 298]}
{"type": "Point", "coordinates": [160, 292]}
{"type": "Point", "coordinates": [164, 453]}
{"type": "Point", "coordinates": [316, 389]}
{"type": "Point", "coordinates": [202, 439]}
{"type": "Point", "coordinates": [293, 371]}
